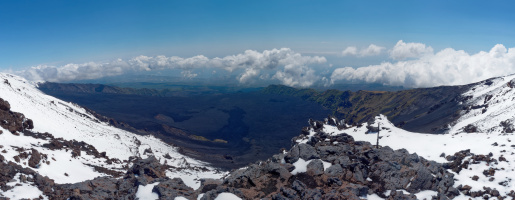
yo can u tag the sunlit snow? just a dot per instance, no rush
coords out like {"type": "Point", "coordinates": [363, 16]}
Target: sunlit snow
{"type": "Point", "coordinates": [72, 122]}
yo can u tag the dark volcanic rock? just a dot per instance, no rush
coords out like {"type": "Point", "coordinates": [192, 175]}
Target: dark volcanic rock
{"type": "Point", "coordinates": [315, 167]}
{"type": "Point", "coordinates": [35, 158]}
{"type": "Point", "coordinates": [102, 187]}
{"type": "Point", "coordinates": [303, 151]}
{"type": "Point", "coordinates": [470, 129]}
{"type": "Point", "coordinates": [357, 169]}
{"type": "Point", "coordinates": [4, 105]}
{"type": "Point", "coordinates": [399, 195]}
{"type": "Point", "coordinates": [148, 170]}
{"type": "Point", "coordinates": [173, 188]}
{"type": "Point", "coordinates": [13, 121]}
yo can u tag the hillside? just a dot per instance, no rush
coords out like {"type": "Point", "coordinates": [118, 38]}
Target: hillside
{"type": "Point", "coordinates": [425, 110]}
{"type": "Point", "coordinates": [64, 144]}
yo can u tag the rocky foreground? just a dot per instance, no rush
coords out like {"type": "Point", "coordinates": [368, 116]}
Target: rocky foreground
{"type": "Point", "coordinates": [339, 168]}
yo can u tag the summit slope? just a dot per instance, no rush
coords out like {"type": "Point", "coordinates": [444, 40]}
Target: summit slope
{"type": "Point", "coordinates": [72, 146]}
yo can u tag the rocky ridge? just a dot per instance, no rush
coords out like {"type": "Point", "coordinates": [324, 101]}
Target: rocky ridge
{"type": "Point", "coordinates": [337, 167]}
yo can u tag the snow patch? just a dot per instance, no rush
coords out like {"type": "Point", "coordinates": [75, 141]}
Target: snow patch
{"type": "Point", "coordinates": [22, 190]}
{"type": "Point", "coordinates": [227, 196]}
{"type": "Point", "coordinates": [326, 164]}
{"type": "Point", "coordinates": [145, 192]}
{"type": "Point", "coordinates": [374, 197]}
{"type": "Point", "coordinates": [300, 166]}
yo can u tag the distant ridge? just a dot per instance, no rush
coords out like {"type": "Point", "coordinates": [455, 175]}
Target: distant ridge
{"type": "Point", "coordinates": [425, 110]}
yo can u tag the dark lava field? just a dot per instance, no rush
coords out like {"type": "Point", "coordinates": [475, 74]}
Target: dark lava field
{"type": "Point", "coordinates": [229, 130]}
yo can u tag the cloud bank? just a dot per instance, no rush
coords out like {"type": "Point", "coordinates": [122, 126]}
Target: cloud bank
{"type": "Point", "coordinates": [447, 67]}
{"type": "Point", "coordinates": [406, 64]}
{"type": "Point", "coordinates": [290, 68]}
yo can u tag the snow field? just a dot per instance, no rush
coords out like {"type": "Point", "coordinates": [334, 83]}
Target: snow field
{"type": "Point", "coordinates": [72, 122]}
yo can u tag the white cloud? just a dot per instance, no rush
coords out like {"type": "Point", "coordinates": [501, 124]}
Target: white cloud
{"type": "Point", "coordinates": [403, 50]}
{"type": "Point", "coordinates": [294, 75]}
{"type": "Point", "coordinates": [251, 63]}
{"type": "Point", "coordinates": [350, 51]}
{"type": "Point", "coordinates": [424, 69]}
{"type": "Point", "coordinates": [248, 75]}
{"type": "Point", "coordinates": [447, 67]}
{"type": "Point", "coordinates": [371, 50]}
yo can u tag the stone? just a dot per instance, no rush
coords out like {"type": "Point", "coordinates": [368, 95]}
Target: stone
{"type": "Point", "coordinates": [315, 167]}
{"type": "Point", "coordinates": [4, 105]}
{"type": "Point", "coordinates": [334, 170]}
{"type": "Point", "coordinates": [170, 189]}
{"type": "Point", "coordinates": [34, 159]}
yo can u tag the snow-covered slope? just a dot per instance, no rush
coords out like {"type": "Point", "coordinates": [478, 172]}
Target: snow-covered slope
{"type": "Point", "coordinates": [491, 107]}
{"type": "Point", "coordinates": [435, 147]}
{"type": "Point", "coordinates": [72, 122]}
{"type": "Point", "coordinates": [485, 128]}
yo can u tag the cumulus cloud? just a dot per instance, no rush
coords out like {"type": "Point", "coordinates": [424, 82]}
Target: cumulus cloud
{"type": "Point", "coordinates": [297, 75]}
{"type": "Point", "coordinates": [371, 50]}
{"type": "Point", "coordinates": [292, 67]}
{"type": "Point", "coordinates": [447, 67]}
{"type": "Point", "coordinates": [248, 75]}
{"type": "Point", "coordinates": [403, 50]}
{"type": "Point", "coordinates": [414, 65]}
{"type": "Point", "coordinates": [350, 51]}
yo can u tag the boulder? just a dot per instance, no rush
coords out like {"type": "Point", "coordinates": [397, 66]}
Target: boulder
{"type": "Point", "coordinates": [170, 189]}
{"type": "Point", "coordinates": [34, 159]}
{"type": "Point", "coordinates": [315, 167]}
{"type": "Point", "coordinates": [4, 105]}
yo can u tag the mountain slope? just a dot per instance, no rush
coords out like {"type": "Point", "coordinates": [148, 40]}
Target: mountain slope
{"type": "Point", "coordinates": [479, 160]}
{"type": "Point", "coordinates": [426, 110]}
{"type": "Point", "coordinates": [69, 145]}
{"type": "Point", "coordinates": [489, 107]}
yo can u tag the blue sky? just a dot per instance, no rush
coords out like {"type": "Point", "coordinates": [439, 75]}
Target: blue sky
{"type": "Point", "coordinates": [60, 32]}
